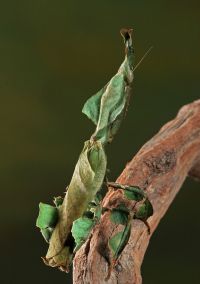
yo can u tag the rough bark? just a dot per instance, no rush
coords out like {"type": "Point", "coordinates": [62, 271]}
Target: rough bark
{"type": "Point", "coordinates": [160, 168]}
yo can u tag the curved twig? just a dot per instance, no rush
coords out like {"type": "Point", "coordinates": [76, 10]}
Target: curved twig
{"type": "Point", "coordinates": [160, 168]}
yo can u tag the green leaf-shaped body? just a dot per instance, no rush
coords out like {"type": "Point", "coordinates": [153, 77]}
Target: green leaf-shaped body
{"type": "Point", "coordinates": [144, 211]}
{"type": "Point", "coordinates": [86, 181]}
{"type": "Point", "coordinates": [81, 229]}
{"type": "Point", "coordinates": [48, 216]}
{"type": "Point", "coordinates": [119, 241]}
{"type": "Point", "coordinates": [134, 193]}
{"type": "Point", "coordinates": [118, 216]}
{"type": "Point", "coordinates": [107, 108]}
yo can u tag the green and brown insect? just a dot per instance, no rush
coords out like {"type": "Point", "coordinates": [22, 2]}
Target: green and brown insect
{"type": "Point", "coordinates": [68, 224]}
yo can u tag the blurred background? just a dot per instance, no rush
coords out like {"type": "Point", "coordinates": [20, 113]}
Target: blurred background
{"type": "Point", "coordinates": [53, 56]}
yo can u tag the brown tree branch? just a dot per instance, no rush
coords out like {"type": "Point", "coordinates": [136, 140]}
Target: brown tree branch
{"type": "Point", "coordinates": [160, 168]}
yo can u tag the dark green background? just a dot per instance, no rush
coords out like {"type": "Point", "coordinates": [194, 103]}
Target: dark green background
{"type": "Point", "coordinates": [53, 56]}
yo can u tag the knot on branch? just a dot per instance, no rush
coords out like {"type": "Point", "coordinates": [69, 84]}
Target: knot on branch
{"type": "Point", "coordinates": [163, 163]}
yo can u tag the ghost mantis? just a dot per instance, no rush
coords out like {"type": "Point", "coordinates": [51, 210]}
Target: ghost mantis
{"type": "Point", "coordinates": [68, 224]}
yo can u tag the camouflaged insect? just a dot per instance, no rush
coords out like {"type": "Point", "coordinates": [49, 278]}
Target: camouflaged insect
{"type": "Point", "coordinates": [67, 225]}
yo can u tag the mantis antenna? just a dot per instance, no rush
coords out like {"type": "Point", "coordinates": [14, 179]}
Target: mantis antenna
{"type": "Point", "coordinates": [143, 57]}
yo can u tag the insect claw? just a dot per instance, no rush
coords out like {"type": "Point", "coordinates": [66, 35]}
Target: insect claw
{"type": "Point", "coordinates": [147, 225]}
